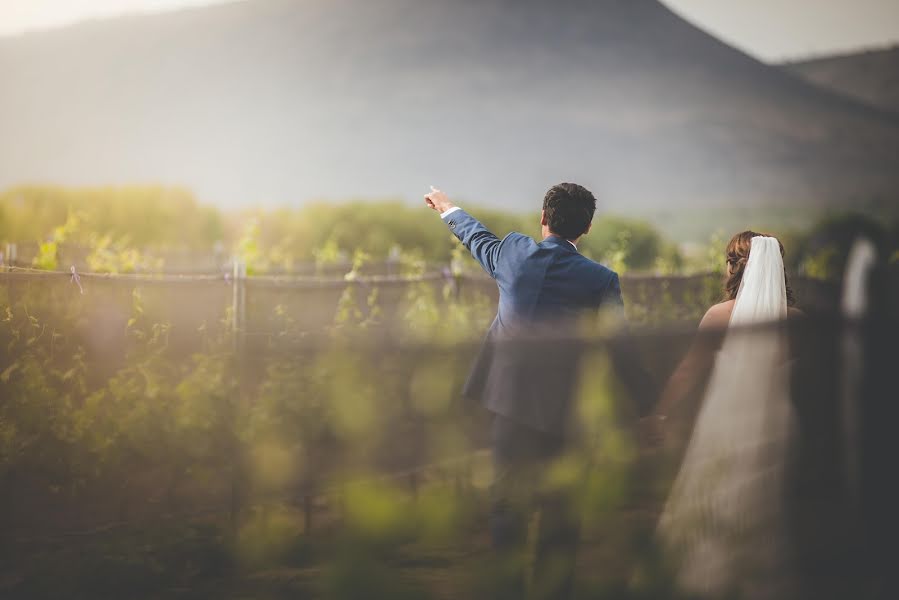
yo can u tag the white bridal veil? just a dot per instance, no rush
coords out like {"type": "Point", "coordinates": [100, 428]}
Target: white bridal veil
{"type": "Point", "coordinates": [762, 297]}
{"type": "Point", "coordinates": [723, 521]}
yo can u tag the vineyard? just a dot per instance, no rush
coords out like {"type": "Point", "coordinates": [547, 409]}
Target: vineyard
{"type": "Point", "coordinates": [238, 334]}
{"type": "Point", "coordinates": [193, 406]}
{"type": "Point", "coordinates": [234, 420]}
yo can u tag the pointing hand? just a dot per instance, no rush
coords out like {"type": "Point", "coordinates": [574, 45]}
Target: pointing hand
{"type": "Point", "coordinates": [438, 200]}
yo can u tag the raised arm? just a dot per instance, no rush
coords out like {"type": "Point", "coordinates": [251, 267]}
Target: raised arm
{"type": "Point", "coordinates": [483, 245]}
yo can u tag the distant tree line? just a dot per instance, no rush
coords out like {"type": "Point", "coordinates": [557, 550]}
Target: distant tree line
{"type": "Point", "coordinates": [119, 224]}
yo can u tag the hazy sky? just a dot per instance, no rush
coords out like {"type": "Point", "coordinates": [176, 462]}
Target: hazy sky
{"type": "Point", "coordinates": [768, 29]}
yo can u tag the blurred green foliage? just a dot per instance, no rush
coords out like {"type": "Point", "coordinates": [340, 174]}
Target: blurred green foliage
{"type": "Point", "coordinates": [291, 445]}
{"type": "Point", "coordinates": [822, 252]}
{"type": "Point", "coordinates": [121, 227]}
{"type": "Point", "coordinates": [624, 243]}
{"type": "Point", "coordinates": [263, 436]}
{"type": "Point", "coordinates": [130, 229]}
{"type": "Point", "coordinates": [167, 433]}
{"type": "Point", "coordinates": [146, 216]}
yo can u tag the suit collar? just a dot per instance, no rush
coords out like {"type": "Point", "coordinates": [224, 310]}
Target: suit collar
{"type": "Point", "coordinates": [557, 240]}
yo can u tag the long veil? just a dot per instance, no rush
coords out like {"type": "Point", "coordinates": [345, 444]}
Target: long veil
{"type": "Point", "coordinates": [762, 297]}
{"type": "Point", "coordinates": [723, 522]}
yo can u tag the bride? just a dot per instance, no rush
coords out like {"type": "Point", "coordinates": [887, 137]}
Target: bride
{"type": "Point", "coordinates": [724, 523]}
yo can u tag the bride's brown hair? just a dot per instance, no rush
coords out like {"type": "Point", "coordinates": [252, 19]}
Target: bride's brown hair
{"type": "Point", "coordinates": [737, 253]}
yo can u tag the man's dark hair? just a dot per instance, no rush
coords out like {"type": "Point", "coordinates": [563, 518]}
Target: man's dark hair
{"type": "Point", "coordinates": [568, 208]}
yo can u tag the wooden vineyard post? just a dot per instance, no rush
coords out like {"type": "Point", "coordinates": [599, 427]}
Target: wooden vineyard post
{"type": "Point", "coordinates": [238, 332]}
{"type": "Point", "coordinates": [10, 256]}
{"type": "Point", "coordinates": [238, 306]}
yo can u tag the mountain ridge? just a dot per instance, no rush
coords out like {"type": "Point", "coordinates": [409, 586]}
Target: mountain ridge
{"type": "Point", "coordinates": [282, 102]}
{"type": "Point", "coordinates": [870, 76]}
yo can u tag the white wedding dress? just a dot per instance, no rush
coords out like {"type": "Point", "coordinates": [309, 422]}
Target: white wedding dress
{"type": "Point", "coordinates": [724, 522]}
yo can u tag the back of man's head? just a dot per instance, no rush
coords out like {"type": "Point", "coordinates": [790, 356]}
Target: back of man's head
{"type": "Point", "coordinates": [568, 210]}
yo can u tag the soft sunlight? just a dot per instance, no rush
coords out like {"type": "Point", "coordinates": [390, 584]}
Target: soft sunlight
{"type": "Point", "coordinates": [18, 16]}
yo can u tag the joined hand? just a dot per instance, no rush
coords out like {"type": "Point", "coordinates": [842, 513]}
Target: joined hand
{"type": "Point", "coordinates": [651, 431]}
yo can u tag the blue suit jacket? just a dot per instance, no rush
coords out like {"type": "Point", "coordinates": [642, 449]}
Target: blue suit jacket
{"type": "Point", "coordinates": [527, 369]}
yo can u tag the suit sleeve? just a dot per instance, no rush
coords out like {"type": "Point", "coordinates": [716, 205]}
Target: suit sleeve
{"type": "Point", "coordinates": [611, 300]}
{"type": "Point", "coordinates": [613, 292]}
{"type": "Point", "coordinates": [626, 358]}
{"type": "Point", "coordinates": [483, 245]}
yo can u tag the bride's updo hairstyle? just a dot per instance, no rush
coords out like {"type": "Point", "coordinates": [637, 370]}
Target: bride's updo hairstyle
{"type": "Point", "coordinates": [737, 253]}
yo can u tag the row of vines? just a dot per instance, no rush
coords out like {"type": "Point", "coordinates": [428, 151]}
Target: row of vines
{"type": "Point", "coordinates": [236, 422]}
{"type": "Point", "coordinates": [65, 424]}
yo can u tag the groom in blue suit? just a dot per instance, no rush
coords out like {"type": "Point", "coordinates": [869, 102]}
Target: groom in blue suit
{"type": "Point", "coordinates": [526, 372]}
